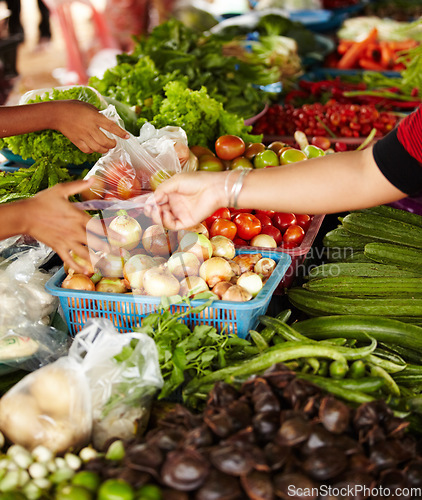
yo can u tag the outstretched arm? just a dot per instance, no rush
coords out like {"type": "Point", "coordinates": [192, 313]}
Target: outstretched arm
{"type": "Point", "coordinates": [77, 120]}
{"type": "Point", "coordinates": [328, 184]}
{"type": "Point", "coordinates": [50, 218]}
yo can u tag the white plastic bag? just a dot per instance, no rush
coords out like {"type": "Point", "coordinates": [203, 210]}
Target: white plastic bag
{"type": "Point", "coordinates": [123, 375]}
{"type": "Point", "coordinates": [104, 386]}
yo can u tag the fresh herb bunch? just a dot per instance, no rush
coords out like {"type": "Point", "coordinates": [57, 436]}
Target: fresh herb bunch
{"type": "Point", "coordinates": [184, 354]}
{"type": "Point", "coordinates": [172, 51]}
{"type": "Point", "coordinates": [202, 118]}
{"type": "Point", "coordinates": [51, 144]}
{"type": "Point", "coordinates": [26, 182]}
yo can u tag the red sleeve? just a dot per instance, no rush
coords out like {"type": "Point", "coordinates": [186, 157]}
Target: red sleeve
{"type": "Point", "coordinates": [409, 133]}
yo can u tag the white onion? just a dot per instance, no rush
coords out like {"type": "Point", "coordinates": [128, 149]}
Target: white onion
{"type": "Point", "coordinates": [111, 264]}
{"type": "Point", "coordinates": [199, 228]}
{"type": "Point", "coordinates": [197, 244]}
{"type": "Point", "coordinates": [247, 261]}
{"type": "Point", "coordinates": [158, 282]}
{"type": "Point", "coordinates": [129, 229]}
{"type": "Point", "coordinates": [221, 287]}
{"type": "Point", "coordinates": [237, 294]}
{"type": "Point", "coordinates": [78, 282]}
{"type": "Point", "coordinates": [87, 264]}
{"type": "Point", "coordinates": [251, 282]}
{"type": "Point", "coordinates": [222, 247]}
{"type": "Point", "coordinates": [192, 285]}
{"type": "Point", "coordinates": [265, 266]}
{"type": "Point", "coordinates": [158, 241]}
{"type": "Point", "coordinates": [263, 240]}
{"type": "Point", "coordinates": [182, 264]}
{"type": "Point", "coordinates": [135, 268]}
{"type": "Point", "coordinates": [111, 285]}
{"type": "Point", "coordinates": [214, 270]}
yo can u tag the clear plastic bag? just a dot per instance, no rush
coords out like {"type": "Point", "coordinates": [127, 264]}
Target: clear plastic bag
{"type": "Point", "coordinates": [101, 390]}
{"type": "Point", "coordinates": [26, 308]}
{"type": "Point", "coordinates": [123, 375]}
{"type": "Point", "coordinates": [139, 164]}
{"type": "Point", "coordinates": [49, 407]}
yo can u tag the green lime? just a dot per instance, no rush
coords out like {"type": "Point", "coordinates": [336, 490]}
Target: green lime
{"type": "Point", "coordinates": [73, 492]}
{"type": "Point", "coordinates": [12, 495]}
{"type": "Point", "coordinates": [88, 479]}
{"type": "Point", "coordinates": [115, 489]}
{"type": "Point", "coordinates": [149, 492]}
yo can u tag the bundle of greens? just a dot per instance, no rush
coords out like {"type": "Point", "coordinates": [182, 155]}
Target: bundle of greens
{"type": "Point", "coordinates": [201, 117]}
{"type": "Point", "coordinates": [172, 51]}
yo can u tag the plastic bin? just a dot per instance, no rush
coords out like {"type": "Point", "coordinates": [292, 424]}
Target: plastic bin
{"type": "Point", "coordinates": [126, 311]}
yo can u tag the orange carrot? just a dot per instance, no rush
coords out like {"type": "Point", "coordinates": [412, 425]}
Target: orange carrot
{"type": "Point", "coordinates": [402, 45]}
{"type": "Point", "coordinates": [350, 57]}
{"type": "Point", "coordinates": [370, 65]}
{"type": "Point", "coordinates": [386, 55]}
{"type": "Point", "coordinates": [344, 46]}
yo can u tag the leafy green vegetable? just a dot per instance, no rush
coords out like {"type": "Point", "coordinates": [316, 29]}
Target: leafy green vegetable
{"type": "Point", "coordinates": [202, 117]}
{"type": "Point", "coordinates": [172, 51]}
{"type": "Point", "coordinates": [184, 354]}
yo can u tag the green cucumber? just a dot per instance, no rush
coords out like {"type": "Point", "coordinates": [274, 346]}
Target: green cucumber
{"type": "Point", "coordinates": [362, 286]}
{"type": "Point", "coordinates": [357, 269]}
{"type": "Point", "coordinates": [396, 214]}
{"type": "Point", "coordinates": [340, 238]}
{"type": "Point", "coordinates": [391, 254]}
{"type": "Point", "coordinates": [383, 228]}
{"type": "Point", "coordinates": [316, 303]}
{"type": "Point", "coordinates": [390, 331]}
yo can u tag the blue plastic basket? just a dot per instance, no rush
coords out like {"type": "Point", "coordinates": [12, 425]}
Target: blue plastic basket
{"type": "Point", "coordinates": [126, 311]}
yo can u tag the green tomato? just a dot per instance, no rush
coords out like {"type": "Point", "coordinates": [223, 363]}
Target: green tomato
{"type": "Point", "coordinates": [115, 489]}
{"type": "Point", "coordinates": [292, 155]}
{"type": "Point", "coordinates": [313, 151]}
{"type": "Point", "coordinates": [240, 162]}
{"type": "Point", "coordinates": [266, 158]}
{"type": "Point", "coordinates": [73, 492]}
{"type": "Point", "coordinates": [210, 163]}
{"type": "Point", "coordinates": [88, 479]}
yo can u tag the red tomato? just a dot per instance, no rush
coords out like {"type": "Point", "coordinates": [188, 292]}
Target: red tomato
{"type": "Point", "coordinates": [265, 220]}
{"type": "Point", "coordinates": [282, 220]}
{"type": "Point", "coordinates": [235, 211]}
{"type": "Point", "coordinates": [294, 234]}
{"type": "Point", "coordinates": [128, 187]}
{"type": "Point", "coordinates": [270, 213]}
{"type": "Point", "coordinates": [115, 170]}
{"type": "Point", "coordinates": [220, 213]}
{"type": "Point", "coordinates": [274, 232]}
{"type": "Point", "coordinates": [303, 220]}
{"type": "Point", "coordinates": [240, 242]}
{"type": "Point", "coordinates": [248, 226]}
{"type": "Point", "coordinates": [228, 147]}
{"type": "Point", "coordinates": [223, 227]}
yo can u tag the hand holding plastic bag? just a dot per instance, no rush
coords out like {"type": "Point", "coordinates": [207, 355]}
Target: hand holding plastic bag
{"type": "Point", "coordinates": [139, 164]}
{"type": "Point", "coordinates": [104, 386]}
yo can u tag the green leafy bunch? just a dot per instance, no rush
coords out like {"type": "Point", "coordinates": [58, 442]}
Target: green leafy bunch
{"type": "Point", "coordinates": [51, 144]}
{"type": "Point", "coordinates": [172, 51]}
{"type": "Point", "coordinates": [202, 117]}
{"type": "Point", "coordinates": [184, 354]}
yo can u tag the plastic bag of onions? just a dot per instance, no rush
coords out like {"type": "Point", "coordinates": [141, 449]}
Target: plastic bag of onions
{"type": "Point", "coordinates": [94, 391]}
